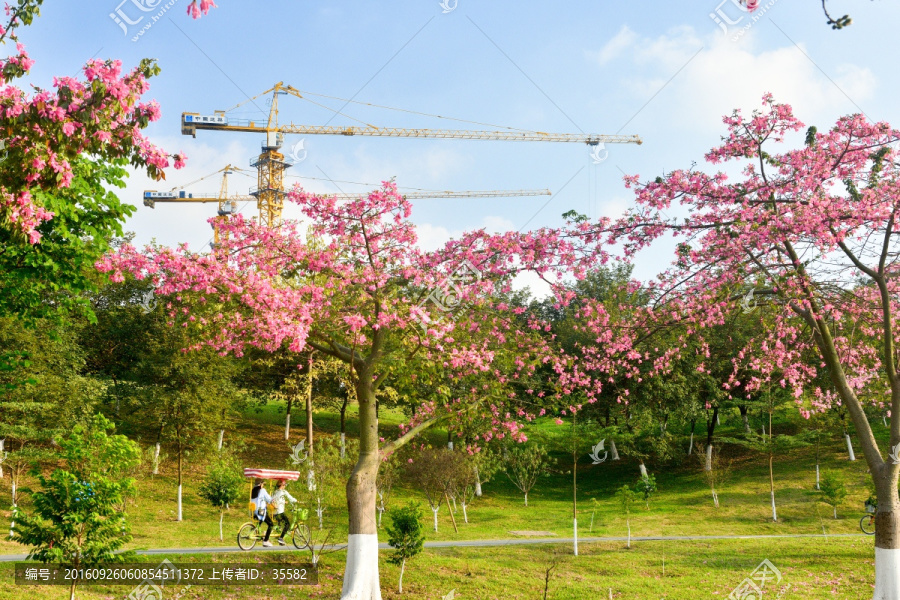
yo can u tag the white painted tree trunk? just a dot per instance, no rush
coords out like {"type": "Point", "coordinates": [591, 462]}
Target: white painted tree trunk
{"type": "Point", "coordinates": [715, 498]}
{"type": "Point", "coordinates": [612, 447]}
{"type": "Point", "coordinates": [691, 444]}
{"type": "Point", "coordinates": [14, 491]}
{"type": "Point", "coordinates": [643, 470]}
{"type": "Point", "coordinates": [156, 460]}
{"type": "Point", "coordinates": [883, 420]}
{"type": "Point", "coordinates": [179, 504]}
{"type": "Point", "coordinates": [526, 498]}
{"type": "Point", "coordinates": [835, 510]}
{"type": "Point", "coordinates": [402, 568]}
{"type": "Point", "coordinates": [477, 484]}
{"type": "Point", "coordinates": [465, 515]}
{"type": "Point", "coordinates": [311, 480]}
{"type": "Point", "coordinates": [449, 445]}
{"type": "Point", "coordinates": [221, 516]}
{"type": "Point", "coordinates": [221, 437]}
{"type": "Point", "coordinates": [746, 420]}
{"type": "Point", "coordinates": [575, 535]}
{"type": "Point", "coordinates": [361, 572]}
{"type": "Point", "coordinates": [12, 523]}
{"type": "Point", "coordinates": [887, 574]}
{"type": "Point", "coordinates": [1, 457]}
{"type": "Point", "coordinates": [774, 512]}
{"type": "Point", "coordinates": [343, 444]}
{"type": "Point", "coordinates": [380, 512]}
{"type": "Point", "coordinates": [817, 476]}
{"type": "Point", "coordinates": [320, 510]}
{"type": "Point", "coordinates": [628, 524]}
{"type": "Point", "coordinates": [453, 499]}
{"type": "Point", "coordinates": [435, 510]}
{"type": "Point", "coordinates": [287, 427]}
{"type": "Point", "coordinates": [849, 447]}
{"type": "Point", "coordinates": [717, 419]}
{"type": "Point", "coordinates": [764, 430]}
{"type": "Point", "coordinates": [708, 465]}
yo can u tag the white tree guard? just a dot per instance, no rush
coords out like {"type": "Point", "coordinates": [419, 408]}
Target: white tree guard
{"type": "Point", "coordinates": [850, 454]}
{"type": "Point", "coordinates": [612, 448]}
{"type": "Point", "coordinates": [449, 445]}
{"type": "Point", "coordinates": [179, 503]}
{"type": "Point", "coordinates": [435, 510]}
{"type": "Point", "coordinates": [361, 573]}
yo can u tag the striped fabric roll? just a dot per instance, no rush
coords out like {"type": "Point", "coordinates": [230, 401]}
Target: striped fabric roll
{"type": "Point", "coordinates": [272, 474]}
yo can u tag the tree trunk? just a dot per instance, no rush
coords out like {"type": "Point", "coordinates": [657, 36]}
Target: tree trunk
{"type": "Point", "coordinates": [287, 422]}
{"type": "Point", "coordinates": [380, 512]}
{"type": "Point", "coordinates": [402, 568]}
{"type": "Point", "coordinates": [817, 476]}
{"type": "Point", "coordinates": [72, 589]}
{"type": "Point", "coordinates": [744, 417]}
{"type": "Point", "coordinates": [575, 535]}
{"type": "Point", "coordinates": [643, 469]}
{"type": "Point", "coordinates": [343, 444]}
{"type": "Point", "coordinates": [628, 524]}
{"type": "Point", "coordinates": [179, 477]}
{"type": "Point", "coordinates": [887, 533]}
{"type": "Point", "coordinates": [711, 425]}
{"type": "Point", "coordinates": [221, 517]}
{"type": "Point", "coordinates": [526, 499]}
{"type": "Point", "coordinates": [612, 447]}
{"type": "Point", "coordinates": [1, 458]}
{"type": "Point", "coordinates": [707, 466]}
{"type": "Point", "coordinates": [850, 454]}
{"type": "Point", "coordinates": [156, 459]}
{"type": "Point", "coordinates": [221, 436]}
{"type": "Point", "coordinates": [772, 484]}
{"type": "Point", "coordinates": [715, 498]}
{"type": "Point", "coordinates": [691, 444]}
{"type": "Point", "coordinates": [320, 510]}
{"type": "Point", "coordinates": [361, 580]}
{"type": "Point", "coordinates": [309, 413]}
{"type": "Point", "coordinates": [835, 510]}
{"type": "Point", "coordinates": [435, 509]}
{"type": "Point", "coordinates": [465, 515]}
{"type": "Point", "coordinates": [477, 484]}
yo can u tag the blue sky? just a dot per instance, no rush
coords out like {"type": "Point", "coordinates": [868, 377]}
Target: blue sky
{"type": "Point", "coordinates": [665, 71]}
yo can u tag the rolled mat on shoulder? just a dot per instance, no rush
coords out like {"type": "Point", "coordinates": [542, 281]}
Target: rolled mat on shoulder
{"type": "Point", "coordinates": [272, 474]}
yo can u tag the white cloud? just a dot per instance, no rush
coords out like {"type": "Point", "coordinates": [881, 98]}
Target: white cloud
{"type": "Point", "coordinates": [728, 74]}
{"type": "Point", "coordinates": [622, 41]}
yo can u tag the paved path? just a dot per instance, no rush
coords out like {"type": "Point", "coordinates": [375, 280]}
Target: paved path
{"type": "Point", "coordinates": [484, 543]}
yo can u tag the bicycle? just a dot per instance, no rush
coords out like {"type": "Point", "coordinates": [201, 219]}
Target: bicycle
{"type": "Point", "coordinates": [867, 522]}
{"type": "Point", "coordinates": [249, 533]}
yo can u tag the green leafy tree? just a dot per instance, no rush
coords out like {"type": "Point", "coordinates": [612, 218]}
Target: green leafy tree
{"type": "Point", "coordinates": [646, 487]}
{"type": "Point", "coordinates": [406, 535]}
{"type": "Point", "coordinates": [832, 490]}
{"type": "Point", "coordinates": [524, 465]}
{"type": "Point", "coordinates": [77, 516]}
{"type": "Point", "coordinates": [222, 485]}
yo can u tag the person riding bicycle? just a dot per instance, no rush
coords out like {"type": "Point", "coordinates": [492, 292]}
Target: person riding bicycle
{"type": "Point", "coordinates": [281, 494]}
{"type": "Point", "coordinates": [261, 497]}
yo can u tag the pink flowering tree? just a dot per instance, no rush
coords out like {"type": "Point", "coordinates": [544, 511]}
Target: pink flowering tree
{"type": "Point", "coordinates": [45, 131]}
{"type": "Point", "coordinates": [812, 231]}
{"type": "Point", "coordinates": [353, 285]}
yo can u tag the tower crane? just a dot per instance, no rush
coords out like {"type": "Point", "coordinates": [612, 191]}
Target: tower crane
{"type": "Point", "coordinates": [226, 207]}
{"type": "Point", "coordinates": [271, 163]}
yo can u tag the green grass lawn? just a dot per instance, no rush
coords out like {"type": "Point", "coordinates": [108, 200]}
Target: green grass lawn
{"type": "Point", "coordinates": [683, 506]}
{"type": "Point", "coordinates": [810, 569]}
